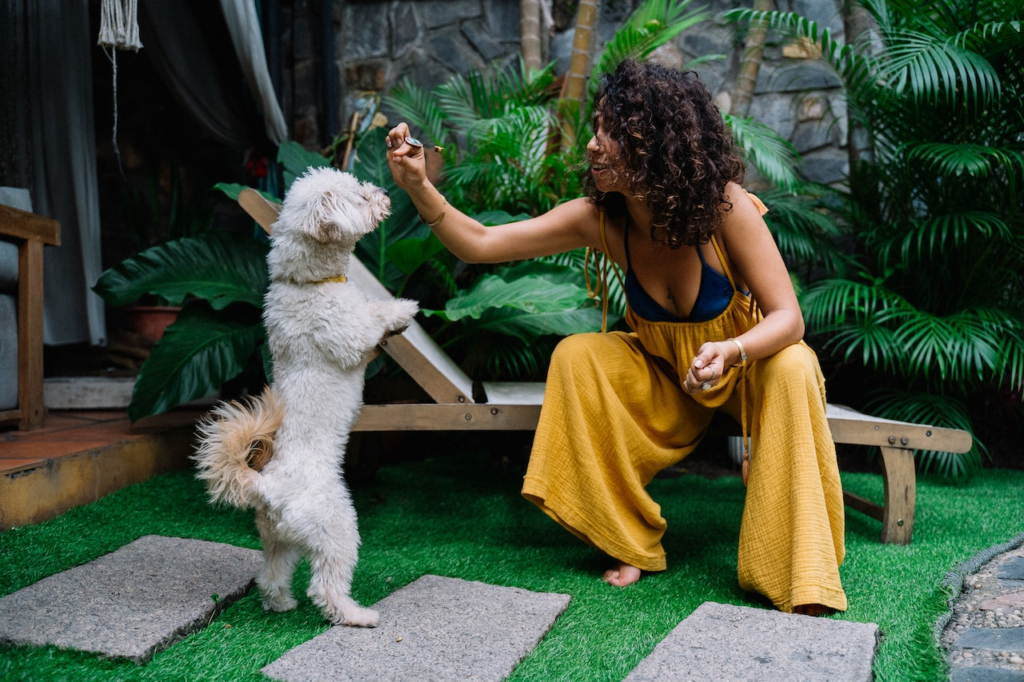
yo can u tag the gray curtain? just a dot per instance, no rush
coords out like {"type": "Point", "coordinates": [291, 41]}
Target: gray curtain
{"type": "Point", "coordinates": [64, 184]}
{"type": "Point", "coordinates": [176, 44]}
{"type": "Point", "coordinates": [244, 27]}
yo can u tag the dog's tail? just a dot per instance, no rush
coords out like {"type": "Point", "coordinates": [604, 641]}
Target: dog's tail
{"type": "Point", "coordinates": [235, 442]}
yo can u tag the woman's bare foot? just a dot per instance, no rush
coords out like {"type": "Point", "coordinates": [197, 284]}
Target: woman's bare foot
{"type": "Point", "coordinates": [622, 575]}
{"type": "Point", "coordinates": [813, 610]}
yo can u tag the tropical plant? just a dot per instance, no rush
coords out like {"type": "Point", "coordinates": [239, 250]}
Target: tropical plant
{"type": "Point", "coordinates": [498, 321]}
{"type": "Point", "coordinates": [935, 302]}
{"type": "Point", "coordinates": [501, 133]}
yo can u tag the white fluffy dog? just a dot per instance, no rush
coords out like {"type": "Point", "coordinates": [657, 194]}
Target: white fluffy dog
{"type": "Point", "coordinates": [321, 331]}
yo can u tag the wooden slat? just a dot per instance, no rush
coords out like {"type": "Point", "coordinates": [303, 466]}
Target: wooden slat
{"type": "Point", "coordinates": [514, 392]}
{"type": "Point", "coordinates": [429, 366]}
{"type": "Point", "coordinates": [433, 417]}
{"type": "Point", "coordinates": [30, 334]}
{"type": "Point", "coordinates": [29, 226]}
{"type": "Point", "coordinates": [863, 505]}
{"type": "Point", "coordinates": [850, 426]}
{"type": "Point", "coordinates": [10, 417]}
{"type": "Point", "coordinates": [906, 436]}
{"type": "Point", "coordinates": [259, 209]}
{"type": "Point", "coordinates": [414, 350]}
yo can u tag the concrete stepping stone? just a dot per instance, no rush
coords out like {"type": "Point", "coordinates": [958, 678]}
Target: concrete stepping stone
{"type": "Point", "coordinates": [432, 629]}
{"type": "Point", "coordinates": [724, 642]}
{"type": "Point", "coordinates": [133, 602]}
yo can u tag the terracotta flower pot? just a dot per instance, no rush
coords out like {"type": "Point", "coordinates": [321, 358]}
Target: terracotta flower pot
{"type": "Point", "coordinates": [151, 320]}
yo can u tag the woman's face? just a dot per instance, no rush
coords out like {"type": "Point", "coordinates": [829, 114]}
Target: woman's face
{"type": "Point", "coordinates": [606, 163]}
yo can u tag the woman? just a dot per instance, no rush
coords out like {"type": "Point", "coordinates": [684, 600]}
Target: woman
{"type": "Point", "coordinates": [664, 203]}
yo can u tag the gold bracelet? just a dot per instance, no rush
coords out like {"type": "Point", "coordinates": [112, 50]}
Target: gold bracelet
{"type": "Point", "coordinates": [439, 218]}
{"type": "Point", "coordinates": [743, 353]}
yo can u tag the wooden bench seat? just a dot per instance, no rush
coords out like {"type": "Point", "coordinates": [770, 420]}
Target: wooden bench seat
{"type": "Point", "coordinates": [515, 406]}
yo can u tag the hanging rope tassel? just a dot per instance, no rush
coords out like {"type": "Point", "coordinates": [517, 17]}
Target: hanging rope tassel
{"type": "Point", "coordinates": [119, 30]}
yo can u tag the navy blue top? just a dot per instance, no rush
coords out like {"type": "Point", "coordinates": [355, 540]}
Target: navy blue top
{"type": "Point", "coordinates": [713, 296]}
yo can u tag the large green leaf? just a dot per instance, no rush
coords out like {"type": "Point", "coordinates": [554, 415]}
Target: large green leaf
{"type": "Point", "coordinates": [201, 350]}
{"type": "Point", "coordinates": [296, 160]}
{"type": "Point", "coordinates": [409, 254]}
{"type": "Point", "coordinates": [499, 217]}
{"type": "Point", "coordinates": [528, 326]}
{"type": "Point", "coordinates": [233, 189]}
{"type": "Point", "coordinates": [220, 267]}
{"type": "Point", "coordinates": [531, 294]}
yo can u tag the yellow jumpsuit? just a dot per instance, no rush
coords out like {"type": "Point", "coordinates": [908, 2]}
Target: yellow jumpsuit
{"type": "Point", "coordinates": [614, 415]}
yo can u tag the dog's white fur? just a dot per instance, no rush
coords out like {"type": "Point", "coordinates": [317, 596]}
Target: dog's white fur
{"type": "Point", "coordinates": [320, 334]}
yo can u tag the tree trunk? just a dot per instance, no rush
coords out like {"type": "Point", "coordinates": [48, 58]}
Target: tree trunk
{"type": "Point", "coordinates": [858, 26]}
{"type": "Point", "coordinates": [529, 33]}
{"type": "Point", "coordinates": [574, 89]}
{"type": "Point", "coordinates": [750, 63]}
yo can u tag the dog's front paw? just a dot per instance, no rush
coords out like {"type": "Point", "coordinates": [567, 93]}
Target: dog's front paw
{"type": "Point", "coordinates": [402, 313]}
{"type": "Point", "coordinates": [359, 617]}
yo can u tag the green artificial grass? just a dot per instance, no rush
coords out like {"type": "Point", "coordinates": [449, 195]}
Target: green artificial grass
{"type": "Point", "coordinates": [461, 517]}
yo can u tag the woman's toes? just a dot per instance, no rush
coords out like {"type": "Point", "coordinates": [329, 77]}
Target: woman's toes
{"type": "Point", "coordinates": [621, 576]}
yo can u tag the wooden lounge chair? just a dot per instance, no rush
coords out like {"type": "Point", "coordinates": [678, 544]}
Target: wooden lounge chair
{"type": "Point", "coordinates": [30, 232]}
{"type": "Point", "coordinates": [515, 406]}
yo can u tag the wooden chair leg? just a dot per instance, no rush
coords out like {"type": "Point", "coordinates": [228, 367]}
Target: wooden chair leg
{"type": "Point", "coordinates": [30, 335]}
{"type": "Point", "coordinates": [900, 492]}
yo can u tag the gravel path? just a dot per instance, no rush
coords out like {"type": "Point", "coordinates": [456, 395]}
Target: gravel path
{"type": "Point", "coordinates": [984, 634]}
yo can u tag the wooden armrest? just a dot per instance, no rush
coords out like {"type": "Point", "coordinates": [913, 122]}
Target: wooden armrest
{"type": "Point", "coordinates": [264, 212]}
{"type": "Point", "coordinates": [26, 226]}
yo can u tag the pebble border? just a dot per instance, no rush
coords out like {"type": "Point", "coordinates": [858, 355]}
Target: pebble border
{"type": "Point", "coordinates": [956, 583]}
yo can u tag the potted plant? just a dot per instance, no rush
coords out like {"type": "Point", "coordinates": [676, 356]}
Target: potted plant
{"type": "Point", "coordinates": [155, 213]}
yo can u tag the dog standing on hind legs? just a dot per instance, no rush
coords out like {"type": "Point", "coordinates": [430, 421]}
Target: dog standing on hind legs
{"type": "Point", "coordinates": [321, 330]}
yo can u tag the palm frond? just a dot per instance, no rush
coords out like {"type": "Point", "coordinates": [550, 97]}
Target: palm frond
{"type": "Point", "coordinates": [653, 24]}
{"type": "Point", "coordinates": [834, 303]}
{"type": "Point", "coordinates": [419, 108]}
{"type": "Point", "coordinates": [973, 159]}
{"type": "Point", "coordinates": [804, 230]}
{"type": "Point", "coordinates": [575, 260]}
{"type": "Point", "coordinates": [774, 157]}
{"type": "Point", "coordinates": [853, 68]}
{"type": "Point", "coordinates": [930, 237]}
{"type": "Point", "coordinates": [932, 67]}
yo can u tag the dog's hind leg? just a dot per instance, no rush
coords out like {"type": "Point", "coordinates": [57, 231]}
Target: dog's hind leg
{"type": "Point", "coordinates": [332, 557]}
{"type": "Point", "coordinates": [279, 560]}
{"type": "Point", "coordinates": [329, 589]}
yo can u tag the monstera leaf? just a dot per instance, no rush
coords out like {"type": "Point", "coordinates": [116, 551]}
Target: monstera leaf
{"type": "Point", "coordinates": [201, 350]}
{"type": "Point", "coordinates": [296, 160]}
{"type": "Point", "coordinates": [218, 266]}
{"type": "Point", "coordinates": [527, 300]}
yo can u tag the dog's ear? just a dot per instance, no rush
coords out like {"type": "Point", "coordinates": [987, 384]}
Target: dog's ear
{"type": "Point", "coordinates": [320, 221]}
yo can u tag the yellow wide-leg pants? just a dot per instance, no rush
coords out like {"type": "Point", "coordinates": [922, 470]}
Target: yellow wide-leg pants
{"type": "Point", "coordinates": [614, 415]}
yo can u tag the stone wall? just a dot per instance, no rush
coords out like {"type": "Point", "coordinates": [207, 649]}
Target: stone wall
{"type": "Point", "coordinates": [380, 43]}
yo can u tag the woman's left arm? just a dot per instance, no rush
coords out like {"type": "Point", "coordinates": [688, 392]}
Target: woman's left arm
{"type": "Point", "coordinates": [755, 260]}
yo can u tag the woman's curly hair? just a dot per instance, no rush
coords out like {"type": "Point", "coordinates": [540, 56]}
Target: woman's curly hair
{"type": "Point", "coordinates": [678, 153]}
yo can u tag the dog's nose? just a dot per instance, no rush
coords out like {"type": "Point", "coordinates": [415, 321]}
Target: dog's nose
{"type": "Point", "coordinates": [384, 189]}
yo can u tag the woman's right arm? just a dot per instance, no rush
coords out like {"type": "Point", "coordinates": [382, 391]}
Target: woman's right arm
{"type": "Point", "coordinates": [571, 225]}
